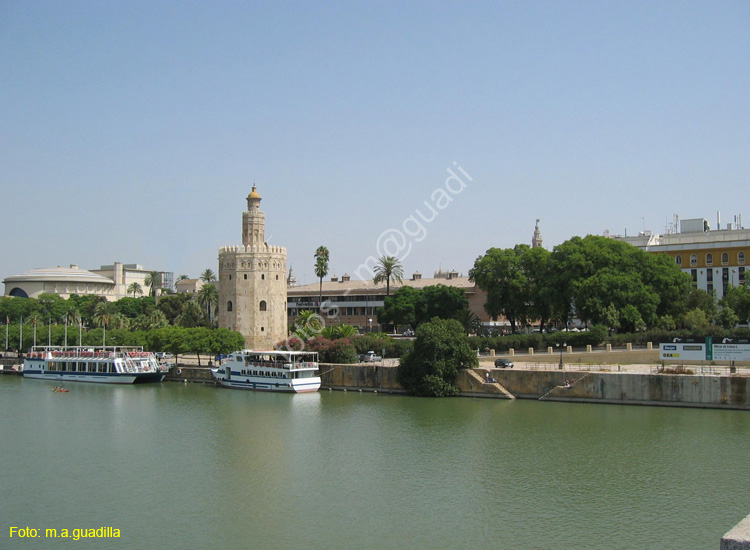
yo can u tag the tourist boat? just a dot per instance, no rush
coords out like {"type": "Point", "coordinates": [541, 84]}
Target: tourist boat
{"type": "Point", "coordinates": [282, 371]}
{"type": "Point", "coordinates": [108, 365]}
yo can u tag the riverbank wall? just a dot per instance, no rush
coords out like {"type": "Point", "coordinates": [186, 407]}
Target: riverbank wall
{"type": "Point", "coordinates": [622, 388]}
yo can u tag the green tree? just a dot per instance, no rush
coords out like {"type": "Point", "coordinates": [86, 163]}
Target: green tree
{"type": "Point", "coordinates": [469, 321]}
{"type": "Point", "coordinates": [431, 368]}
{"type": "Point", "coordinates": [399, 309]}
{"type": "Point", "coordinates": [727, 318]}
{"type": "Point", "coordinates": [695, 319]}
{"type": "Point", "coordinates": [308, 325]}
{"type": "Point", "coordinates": [388, 269]}
{"type": "Point", "coordinates": [208, 297]}
{"type": "Point", "coordinates": [500, 274]}
{"type": "Point", "coordinates": [153, 281]}
{"type": "Point", "coordinates": [321, 269]}
{"type": "Point", "coordinates": [192, 315]}
{"type": "Point", "coordinates": [441, 301]}
{"type": "Point", "coordinates": [738, 299]}
{"type": "Point", "coordinates": [172, 305]}
{"type": "Point", "coordinates": [135, 288]}
{"type": "Point", "coordinates": [208, 276]}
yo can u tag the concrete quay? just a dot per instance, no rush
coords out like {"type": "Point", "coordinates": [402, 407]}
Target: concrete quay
{"type": "Point", "coordinates": [696, 386]}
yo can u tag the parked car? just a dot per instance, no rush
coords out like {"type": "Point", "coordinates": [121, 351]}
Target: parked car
{"type": "Point", "coordinates": [503, 363]}
{"type": "Point", "coordinates": [369, 357]}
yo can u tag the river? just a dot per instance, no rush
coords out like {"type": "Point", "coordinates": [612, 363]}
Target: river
{"type": "Point", "coordinates": [191, 466]}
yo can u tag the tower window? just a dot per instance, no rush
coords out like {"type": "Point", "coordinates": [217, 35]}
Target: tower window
{"type": "Point", "coordinates": [229, 305]}
{"type": "Point", "coordinates": [263, 306]}
{"type": "Point", "coordinates": [246, 276]}
{"type": "Point", "coordinates": [263, 276]}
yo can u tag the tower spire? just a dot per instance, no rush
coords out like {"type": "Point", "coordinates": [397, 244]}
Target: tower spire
{"type": "Point", "coordinates": [536, 240]}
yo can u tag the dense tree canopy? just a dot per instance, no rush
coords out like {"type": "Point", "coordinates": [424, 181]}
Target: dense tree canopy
{"type": "Point", "coordinates": [409, 306]}
{"type": "Point", "coordinates": [599, 280]}
{"type": "Point", "coordinates": [431, 368]}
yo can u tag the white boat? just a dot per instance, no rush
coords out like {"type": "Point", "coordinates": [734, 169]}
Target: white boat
{"type": "Point", "coordinates": [107, 365]}
{"type": "Point", "coordinates": [282, 371]}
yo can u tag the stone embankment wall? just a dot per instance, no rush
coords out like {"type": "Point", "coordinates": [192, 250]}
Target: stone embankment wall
{"type": "Point", "coordinates": [681, 390]}
{"type": "Point", "coordinates": [709, 391]}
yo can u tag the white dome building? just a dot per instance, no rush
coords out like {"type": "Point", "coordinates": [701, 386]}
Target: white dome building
{"type": "Point", "coordinates": [63, 281]}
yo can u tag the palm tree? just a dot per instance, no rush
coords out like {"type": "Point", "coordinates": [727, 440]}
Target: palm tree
{"type": "Point", "coordinates": [308, 325]}
{"type": "Point", "coordinates": [321, 269]}
{"type": "Point", "coordinates": [388, 268]}
{"type": "Point", "coordinates": [182, 277]}
{"type": "Point", "coordinates": [153, 281]}
{"type": "Point", "coordinates": [192, 315]}
{"type": "Point", "coordinates": [135, 288]}
{"type": "Point", "coordinates": [208, 276]}
{"type": "Point", "coordinates": [469, 321]}
{"type": "Point", "coordinates": [208, 297]}
{"type": "Point", "coordinates": [103, 316]}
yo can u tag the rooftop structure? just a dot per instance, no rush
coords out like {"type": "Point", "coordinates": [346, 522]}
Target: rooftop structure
{"type": "Point", "coordinates": [715, 259]}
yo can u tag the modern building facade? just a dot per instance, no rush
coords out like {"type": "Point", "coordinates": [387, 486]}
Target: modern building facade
{"type": "Point", "coordinates": [715, 259]}
{"type": "Point", "coordinates": [109, 281]}
{"type": "Point", "coordinates": [252, 283]}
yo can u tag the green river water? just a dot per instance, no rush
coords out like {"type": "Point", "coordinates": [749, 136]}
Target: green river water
{"type": "Point", "coordinates": [191, 466]}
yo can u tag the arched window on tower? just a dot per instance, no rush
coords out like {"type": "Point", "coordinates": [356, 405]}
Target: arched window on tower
{"type": "Point", "coordinates": [229, 305]}
{"type": "Point", "coordinates": [263, 306]}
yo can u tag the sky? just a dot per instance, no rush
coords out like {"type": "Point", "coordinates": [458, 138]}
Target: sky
{"type": "Point", "coordinates": [432, 131]}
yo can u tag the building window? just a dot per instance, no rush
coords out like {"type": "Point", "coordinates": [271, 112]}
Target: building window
{"type": "Point", "coordinates": [263, 276]}
{"type": "Point", "coordinates": [229, 305]}
{"type": "Point", "coordinates": [693, 260]}
{"type": "Point", "coordinates": [694, 275]}
{"type": "Point", "coordinates": [709, 259]}
{"type": "Point", "coordinates": [245, 276]}
{"type": "Point", "coordinates": [740, 257]}
{"type": "Point", "coordinates": [678, 259]}
{"type": "Point", "coordinates": [742, 275]}
{"type": "Point", "coordinates": [724, 258]}
{"type": "Point", "coordinates": [263, 306]}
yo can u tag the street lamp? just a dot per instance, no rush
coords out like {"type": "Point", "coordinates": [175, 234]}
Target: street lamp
{"type": "Point", "coordinates": [564, 345]}
{"type": "Point", "coordinates": [369, 324]}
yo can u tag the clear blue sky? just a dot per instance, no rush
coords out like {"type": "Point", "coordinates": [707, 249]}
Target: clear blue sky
{"type": "Point", "coordinates": [133, 131]}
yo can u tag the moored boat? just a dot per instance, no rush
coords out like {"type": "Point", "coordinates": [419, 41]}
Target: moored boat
{"type": "Point", "coordinates": [282, 371]}
{"type": "Point", "coordinates": [108, 365]}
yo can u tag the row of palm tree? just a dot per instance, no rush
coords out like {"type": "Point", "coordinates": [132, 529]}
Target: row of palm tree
{"type": "Point", "coordinates": [388, 268]}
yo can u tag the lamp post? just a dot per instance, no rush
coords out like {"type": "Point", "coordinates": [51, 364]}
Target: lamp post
{"type": "Point", "coordinates": [369, 325]}
{"type": "Point", "coordinates": [564, 345]}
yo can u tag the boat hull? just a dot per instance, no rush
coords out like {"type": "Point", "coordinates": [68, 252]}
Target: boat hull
{"type": "Point", "coordinates": [251, 383]}
{"type": "Point", "coordinates": [98, 378]}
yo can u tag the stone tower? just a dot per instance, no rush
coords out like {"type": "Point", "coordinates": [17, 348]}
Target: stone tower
{"type": "Point", "coordinates": [536, 240]}
{"type": "Point", "coordinates": [252, 283]}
